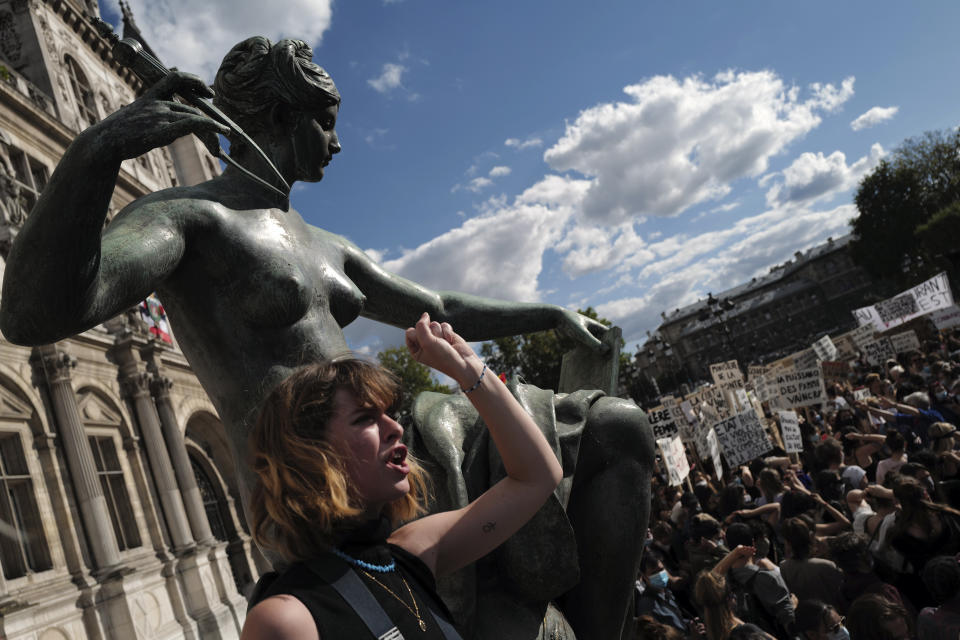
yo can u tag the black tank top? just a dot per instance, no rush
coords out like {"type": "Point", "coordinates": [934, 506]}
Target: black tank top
{"type": "Point", "coordinates": [335, 619]}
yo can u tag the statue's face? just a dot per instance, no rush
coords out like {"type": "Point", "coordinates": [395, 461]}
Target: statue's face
{"type": "Point", "coordinates": [315, 142]}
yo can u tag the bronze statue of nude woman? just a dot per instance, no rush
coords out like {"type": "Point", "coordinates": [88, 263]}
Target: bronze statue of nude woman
{"type": "Point", "coordinates": [253, 292]}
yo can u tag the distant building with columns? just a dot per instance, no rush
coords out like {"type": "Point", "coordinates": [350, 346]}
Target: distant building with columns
{"type": "Point", "coordinates": [120, 514]}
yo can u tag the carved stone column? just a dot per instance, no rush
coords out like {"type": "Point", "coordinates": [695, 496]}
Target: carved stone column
{"type": "Point", "coordinates": [136, 386]}
{"type": "Point", "coordinates": [160, 386]}
{"type": "Point", "coordinates": [52, 368]}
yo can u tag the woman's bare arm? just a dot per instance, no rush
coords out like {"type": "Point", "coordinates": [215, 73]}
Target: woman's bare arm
{"type": "Point", "coordinates": [451, 540]}
{"type": "Point", "coordinates": [61, 277]}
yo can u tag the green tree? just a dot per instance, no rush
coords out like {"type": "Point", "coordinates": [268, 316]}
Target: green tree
{"type": "Point", "coordinates": [920, 179]}
{"type": "Point", "coordinates": [414, 377]}
{"type": "Point", "coordinates": [535, 357]}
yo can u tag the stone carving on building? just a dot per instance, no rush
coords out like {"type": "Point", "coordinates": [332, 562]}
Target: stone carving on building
{"type": "Point", "coordinates": [10, 42]}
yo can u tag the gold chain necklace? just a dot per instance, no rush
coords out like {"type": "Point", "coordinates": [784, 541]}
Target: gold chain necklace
{"type": "Point", "coordinates": [415, 610]}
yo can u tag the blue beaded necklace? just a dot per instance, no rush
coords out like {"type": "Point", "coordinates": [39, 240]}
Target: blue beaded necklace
{"type": "Point", "coordinates": [379, 568]}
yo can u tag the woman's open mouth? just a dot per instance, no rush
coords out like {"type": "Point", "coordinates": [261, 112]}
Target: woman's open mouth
{"type": "Point", "coordinates": [398, 459]}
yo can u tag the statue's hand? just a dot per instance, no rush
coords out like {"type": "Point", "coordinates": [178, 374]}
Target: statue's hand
{"type": "Point", "coordinates": [154, 120]}
{"type": "Point", "coordinates": [583, 329]}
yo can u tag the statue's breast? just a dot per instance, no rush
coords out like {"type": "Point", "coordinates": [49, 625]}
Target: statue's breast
{"type": "Point", "coordinates": [283, 273]}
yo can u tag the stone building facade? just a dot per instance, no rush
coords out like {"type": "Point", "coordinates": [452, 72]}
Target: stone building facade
{"type": "Point", "coordinates": [758, 321]}
{"type": "Point", "coordinates": [120, 512]}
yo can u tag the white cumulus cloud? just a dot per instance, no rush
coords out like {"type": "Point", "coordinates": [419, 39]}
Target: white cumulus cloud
{"type": "Point", "coordinates": [677, 143]}
{"type": "Point", "coordinates": [873, 117]}
{"type": "Point", "coordinates": [195, 36]}
{"type": "Point", "coordinates": [813, 176]}
{"type": "Point", "coordinates": [520, 145]}
{"type": "Point", "coordinates": [500, 253]}
{"type": "Point", "coordinates": [390, 78]}
{"type": "Point", "coordinates": [499, 171]}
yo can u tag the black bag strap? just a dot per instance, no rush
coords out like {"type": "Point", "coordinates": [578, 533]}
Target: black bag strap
{"type": "Point", "coordinates": [345, 581]}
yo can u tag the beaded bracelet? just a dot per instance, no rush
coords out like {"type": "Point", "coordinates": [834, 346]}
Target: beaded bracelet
{"type": "Point", "coordinates": [479, 380]}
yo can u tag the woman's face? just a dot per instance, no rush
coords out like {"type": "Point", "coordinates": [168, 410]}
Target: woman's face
{"type": "Point", "coordinates": [369, 442]}
{"type": "Point", "coordinates": [315, 142]}
{"type": "Point", "coordinates": [830, 627]}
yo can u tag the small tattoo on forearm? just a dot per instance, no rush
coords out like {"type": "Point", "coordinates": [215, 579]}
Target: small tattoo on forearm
{"type": "Point", "coordinates": [490, 526]}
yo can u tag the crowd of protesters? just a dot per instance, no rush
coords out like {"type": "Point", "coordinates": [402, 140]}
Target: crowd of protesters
{"type": "Point", "coordinates": [857, 536]}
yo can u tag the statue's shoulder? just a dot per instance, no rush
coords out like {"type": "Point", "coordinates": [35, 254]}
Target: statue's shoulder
{"type": "Point", "coordinates": [184, 206]}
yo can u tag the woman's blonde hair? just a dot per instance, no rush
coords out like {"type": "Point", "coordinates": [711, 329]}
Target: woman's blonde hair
{"type": "Point", "coordinates": [711, 593]}
{"type": "Point", "coordinates": [302, 490]}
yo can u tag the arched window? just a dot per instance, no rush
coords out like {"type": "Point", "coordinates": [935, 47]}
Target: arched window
{"type": "Point", "coordinates": [81, 91]}
{"type": "Point", "coordinates": [211, 502]}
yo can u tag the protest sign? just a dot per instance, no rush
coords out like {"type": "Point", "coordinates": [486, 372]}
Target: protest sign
{"type": "Point", "coordinates": [801, 388]}
{"type": "Point", "coordinates": [727, 375]}
{"type": "Point", "coordinates": [906, 341]}
{"type": "Point", "coordinates": [713, 448]}
{"type": "Point", "coordinates": [825, 349]}
{"type": "Point", "coordinates": [861, 394]}
{"type": "Point", "coordinates": [688, 412]}
{"type": "Point", "coordinates": [711, 415]}
{"type": "Point", "coordinates": [806, 359]}
{"type": "Point", "coordinates": [742, 438]}
{"type": "Point", "coordinates": [742, 401]}
{"type": "Point", "coordinates": [863, 334]}
{"type": "Point", "coordinates": [755, 370]}
{"type": "Point", "coordinates": [678, 417]}
{"type": "Point", "coordinates": [878, 351]}
{"type": "Point", "coordinates": [674, 459]}
{"type": "Point", "coordinates": [834, 371]}
{"type": "Point", "coordinates": [755, 402]}
{"type": "Point", "coordinates": [662, 423]}
{"type": "Point", "coordinates": [946, 318]}
{"type": "Point", "coordinates": [761, 386]}
{"type": "Point", "coordinates": [846, 348]}
{"type": "Point", "coordinates": [790, 431]}
{"type": "Point", "coordinates": [926, 297]}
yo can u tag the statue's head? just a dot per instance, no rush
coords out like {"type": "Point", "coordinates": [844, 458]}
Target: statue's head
{"type": "Point", "coordinates": [259, 82]}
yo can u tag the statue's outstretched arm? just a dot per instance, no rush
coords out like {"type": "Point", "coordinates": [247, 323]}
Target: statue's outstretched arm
{"type": "Point", "coordinates": [399, 302]}
{"type": "Point", "coordinates": [61, 277]}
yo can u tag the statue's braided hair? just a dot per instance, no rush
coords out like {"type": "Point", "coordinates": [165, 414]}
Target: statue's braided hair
{"type": "Point", "coordinates": [256, 76]}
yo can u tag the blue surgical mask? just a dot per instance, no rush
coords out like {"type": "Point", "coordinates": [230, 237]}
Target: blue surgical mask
{"type": "Point", "coordinates": [839, 634]}
{"type": "Point", "coordinates": [659, 580]}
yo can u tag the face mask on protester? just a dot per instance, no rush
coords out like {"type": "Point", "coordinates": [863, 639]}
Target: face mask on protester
{"type": "Point", "coordinates": [942, 396]}
{"type": "Point", "coordinates": [659, 580]}
{"type": "Point", "coordinates": [839, 634]}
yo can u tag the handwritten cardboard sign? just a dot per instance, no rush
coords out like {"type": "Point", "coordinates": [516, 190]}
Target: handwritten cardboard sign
{"type": "Point", "coordinates": [801, 388]}
{"type": "Point", "coordinates": [727, 375]}
{"type": "Point", "coordinates": [878, 351]}
{"type": "Point", "coordinates": [834, 371]}
{"type": "Point", "coordinates": [755, 370]}
{"type": "Point", "coordinates": [863, 334]}
{"type": "Point", "coordinates": [928, 296]}
{"type": "Point", "coordinates": [790, 431]}
{"type": "Point", "coordinates": [946, 318]}
{"type": "Point", "coordinates": [905, 341]}
{"type": "Point", "coordinates": [861, 393]}
{"type": "Point", "coordinates": [713, 448]}
{"type": "Point", "coordinates": [846, 347]}
{"type": "Point", "coordinates": [742, 438]}
{"type": "Point", "coordinates": [678, 417]}
{"type": "Point", "coordinates": [825, 349]}
{"type": "Point", "coordinates": [661, 421]}
{"type": "Point", "coordinates": [674, 459]}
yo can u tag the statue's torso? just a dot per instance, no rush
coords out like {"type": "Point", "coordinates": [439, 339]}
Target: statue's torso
{"type": "Point", "coordinates": [256, 293]}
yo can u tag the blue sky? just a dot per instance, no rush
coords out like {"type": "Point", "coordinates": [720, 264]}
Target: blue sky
{"type": "Point", "coordinates": [629, 156]}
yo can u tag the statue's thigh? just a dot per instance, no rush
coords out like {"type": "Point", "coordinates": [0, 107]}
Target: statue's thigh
{"type": "Point", "coordinates": [616, 434]}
